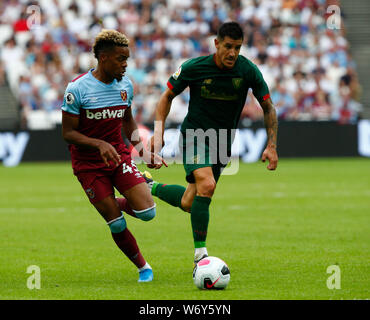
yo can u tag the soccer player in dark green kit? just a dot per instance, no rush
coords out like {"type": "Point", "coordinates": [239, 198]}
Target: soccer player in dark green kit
{"type": "Point", "coordinates": [218, 84]}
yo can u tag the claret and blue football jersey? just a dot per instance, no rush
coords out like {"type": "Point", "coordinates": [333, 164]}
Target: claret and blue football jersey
{"type": "Point", "coordinates": [100, 108]}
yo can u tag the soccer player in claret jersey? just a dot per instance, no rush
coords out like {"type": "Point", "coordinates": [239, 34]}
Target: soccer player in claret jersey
{"type": "Point", "coordinates": [218, 84]}
{"type": "Point", "coordinates": [96, 106]}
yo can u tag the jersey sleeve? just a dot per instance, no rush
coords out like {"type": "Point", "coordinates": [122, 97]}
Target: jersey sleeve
{"type": "Point", "coordinates": [259, 86]}
{"type": "Point", "coordinates": [178, 81]}
{"type": "Point", "coordinates": [72, 100]}
{"type": "Point", "coordinates": [130, 94]}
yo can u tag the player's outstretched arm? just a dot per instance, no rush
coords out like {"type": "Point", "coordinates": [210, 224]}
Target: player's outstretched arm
{"type": "Point", "coordinates": [131, 131]}
{"type": "Point", "coordinates": [162, 110]}
{"type": "Point", "coordinates": [72, 136]}
{"type": "Point", "coordinates": [271, 124]}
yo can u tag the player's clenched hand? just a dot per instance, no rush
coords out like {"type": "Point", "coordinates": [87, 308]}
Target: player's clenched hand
{"type": "Point", "coordinates": [108, 153]}
{"type": "Point", "coordinates": [271, 155]}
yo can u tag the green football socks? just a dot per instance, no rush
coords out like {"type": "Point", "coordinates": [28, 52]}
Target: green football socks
{"type": "Point", "coordinates": [199, 220]}
{"type": "Point", "coordinates": [170, 193]}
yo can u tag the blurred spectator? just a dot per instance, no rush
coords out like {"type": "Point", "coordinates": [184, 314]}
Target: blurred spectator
{"type": "Point", "coordinates": [21, 24]}
{"type": "Point", "coordinates": [308, 68]}
{"type": "Point", "coordinates": [283, 100]}
{"type": "Point", "coordinates": [2, 74]}
{"type": "Point", "coordinates": [321, 109]}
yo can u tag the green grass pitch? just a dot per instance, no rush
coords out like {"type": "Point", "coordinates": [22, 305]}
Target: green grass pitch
{"type": "Point", "coordinates": [278, 231]}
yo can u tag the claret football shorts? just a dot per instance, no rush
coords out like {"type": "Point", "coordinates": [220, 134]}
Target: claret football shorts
{"type": "Point", "coordinates": [100, 183]}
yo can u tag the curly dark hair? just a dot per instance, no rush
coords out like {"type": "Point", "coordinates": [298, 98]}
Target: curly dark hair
{"type": "Point", "coordinates": [107, 39]}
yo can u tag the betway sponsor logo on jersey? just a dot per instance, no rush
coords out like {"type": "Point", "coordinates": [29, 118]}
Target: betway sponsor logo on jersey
{"type": "Point", "coordinates": [105, 114]}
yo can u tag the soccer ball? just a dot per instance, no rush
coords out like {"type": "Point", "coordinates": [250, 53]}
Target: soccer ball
{"type": "Point", "coordinates": [211, 273]}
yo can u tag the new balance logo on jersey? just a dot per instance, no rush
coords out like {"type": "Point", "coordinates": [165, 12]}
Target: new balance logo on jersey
{"type": "Point", "coordinates": [105, 114]}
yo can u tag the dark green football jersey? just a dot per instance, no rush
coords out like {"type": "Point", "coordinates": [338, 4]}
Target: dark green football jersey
{"type": "Point", "coordinates": [217, 96]}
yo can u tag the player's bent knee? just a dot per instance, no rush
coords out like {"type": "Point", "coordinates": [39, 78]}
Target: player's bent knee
{"type": "Point", "coordinates": [146, 214]}
{"type": "Point", "coordinates": [206, 188]}
{"type": "Point", "coordinates": [117, 225]}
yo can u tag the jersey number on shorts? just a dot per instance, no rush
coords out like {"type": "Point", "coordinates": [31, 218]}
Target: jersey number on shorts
{"type": "Point", "coordinates": [127, 168]}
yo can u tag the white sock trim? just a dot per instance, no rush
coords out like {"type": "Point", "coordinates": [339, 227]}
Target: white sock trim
{"type": "Point", "coordinates": [109, 222]}
{"type": "Point", "coordinates": [140, 211]}
{"type": "Point", "coordinates": [146, 266]}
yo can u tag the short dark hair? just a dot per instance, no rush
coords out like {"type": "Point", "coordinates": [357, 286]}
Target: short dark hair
{"type": "Point", "coordinates": [230, 29]}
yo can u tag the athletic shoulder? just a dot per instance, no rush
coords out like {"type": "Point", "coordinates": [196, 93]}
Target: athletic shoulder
{"type": "Point", "coordinates": [246, 63]}
{"type": "Point", "coordinates": [73, 94]}
{"type": "Point", "coordinates": [255, 78]}
{"type": "Point", "coordinates": [196, 62]}
{"type": "Point", "coordinates": [192, 67]}
{"type": "Point", "coordinates": [188, 71]}
{"type": "Point", "coordinates": [79, 83]}
{"type": "Point", "coordinates": [81, 77]}
{"type": "Point", "coordinates": [126, 81]}
{"type": "Point", "coordinates": [249, 69]}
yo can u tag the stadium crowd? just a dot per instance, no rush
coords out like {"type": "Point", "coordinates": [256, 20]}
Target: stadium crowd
{"type": "Point", "coordinates": [45, 44]}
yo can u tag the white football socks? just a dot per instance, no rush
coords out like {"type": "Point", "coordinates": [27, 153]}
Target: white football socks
{"type": "Point", "coordinates": [199, 253]}
{"type": "Point", "coordinates": [146, 266]}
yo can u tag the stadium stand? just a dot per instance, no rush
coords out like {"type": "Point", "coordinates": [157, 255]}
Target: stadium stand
{"type": "Point", "coordinates": [308, 67]}
{"type": "Point", "coordinates": [358, 33]}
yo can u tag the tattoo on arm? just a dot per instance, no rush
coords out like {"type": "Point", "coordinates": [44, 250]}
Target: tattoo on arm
{"type": "Point", "coordinates": [271, 122]}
